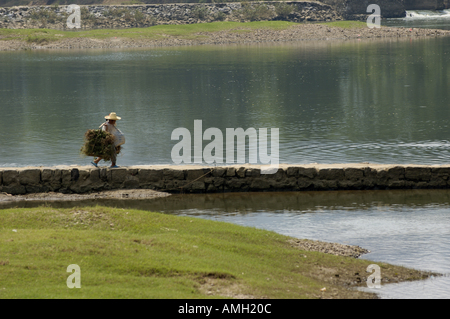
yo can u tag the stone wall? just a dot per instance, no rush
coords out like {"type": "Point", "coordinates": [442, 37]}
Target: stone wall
{"type": "Point", "coordinates": [195, 179]}
{"type": "Point", "coordinates": [127, 16]}
{"type": "Point", "coordinates": [425, 4]}
{"type": "Point", "coordinates": [357, 9]}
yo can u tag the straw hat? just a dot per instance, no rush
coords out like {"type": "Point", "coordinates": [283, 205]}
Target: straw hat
{"type": "Point", "coordinates": [112, 116]}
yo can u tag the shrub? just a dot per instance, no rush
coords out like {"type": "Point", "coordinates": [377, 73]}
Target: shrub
{"type": "Point", "coordinates": [36, 39]}
{"type": "Point", "coordinates": [220, 16]}
{"type": "Point", "coordinates": [85, 15]}
{"type": "Point", "coordinates": [283, 9]}
{"type": "Point", "coordinates": [151, 20]}
{"type": "Point", "coordinates": [45, 16]}
{"type": "Point", "coordinates": [139, 16]}
{"type": "Point", "coordinates": [256, 13]}
{"type": "Point", "coordinates": [115, 13]}
{"type": "Point", "coordinates": [200, 12]}
{"type": "Point", "coordinates": [128, 16]}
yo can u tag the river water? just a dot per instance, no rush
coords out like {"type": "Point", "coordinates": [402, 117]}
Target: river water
{"type": "Point", "coordinates": [333, 101]}
{"type": "Point", "coordinates": [422, 19]}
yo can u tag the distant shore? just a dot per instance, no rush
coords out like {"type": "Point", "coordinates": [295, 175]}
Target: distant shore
{"type": "Point", "coordinates": [238, 33]}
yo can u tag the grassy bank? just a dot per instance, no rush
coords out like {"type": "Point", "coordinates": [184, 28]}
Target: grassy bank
{"type": "Point", "coordinates": [200, 34]}
{"type": "Point", "coordinates": [137, 254]}
{"type": "Point", "coordinates": [184, 31]}
{"type": "Point", "coordinates": [345, 24]}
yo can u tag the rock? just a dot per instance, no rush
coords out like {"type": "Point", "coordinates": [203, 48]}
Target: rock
{"type": "Point", "coordinates": [253, 172]}
{"type": "Point", "coordinates": [231, 171]}
{"type": "Point", "coordinates": [303, 183]}
{"type": "Point", "coordinates": [30, 177]}
{"type": "Point", "coordinates": [198, 186]}
{"type": "Point", "coordinates": [418, 173]}
{"type": "Point", "coordinates": [193, 174]}
{"type": "Point", "coordinates": [353, 174]}
{"type": "Point", "coordinates": [397, 172]}
{"type": "Point", "coordinates": [241, 172]}
{"type": "Point", "coordinates": [14, 189]}
{"type": "Point", "coordinates": [260, 184]}
{"type": "Point", "coordinates": [10, 177]}
{"type": "Point", "coordinates": [350, 8]}
{"type": "Point", "coordinates": [82, 183]}
{"type": "Point", "coordinates": [424, 4]}
{"type": "Point", "coordinates": [235, 183]}
{"type": "Point", "coordinates": [96, 182]}
{"type": "Point", "coordinates": [147, 176]}
{"type": "Point", "coordinates": [331, 174]}
{"type": "Point", "coordinates": [131, 182]}
{"type": "Point", "coordinates": [173, 174]}
{"type": "Point", "coordinates": [292, 171]}
{"type": "Point", "coordinates": [219, 171]}
{"type": "Point", "coordinates": [307, 172]}
{"type": "Point", "coordinates": [118, 176]}
{"type": "Point", "coordinates": [51, 179]}
{"type": "Point", "coordinates": [278, 176]}
{"type": "Point", "coordinates": [66, 178]}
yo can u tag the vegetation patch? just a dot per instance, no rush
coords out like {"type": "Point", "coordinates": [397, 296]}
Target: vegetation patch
{"type": "Point", "coordinates": [200, 12]}
{"type": "Point", "coordinates": [283, 10]}
{"type": "Point", "coordinates": [346, 24]}
{"type": "Point", "coordinates": [138, 254]}
{"type": "Point", "coordinates": [154, 32]}
{"type": "Point", "coordinates": [257, 12]}
{"type": "Point", "coordinates": [37, 40]}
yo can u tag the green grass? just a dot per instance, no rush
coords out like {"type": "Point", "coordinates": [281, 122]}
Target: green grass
{"type": "Point", "coordinates": [138, 254]}
{"type": "Point", "coordinates": [345, 24]}
{"type": "Point", "coordinates": [187, 31]}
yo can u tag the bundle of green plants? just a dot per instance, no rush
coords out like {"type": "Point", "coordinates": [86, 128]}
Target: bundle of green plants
{"type": "Point", "coordinates": [99, 143]}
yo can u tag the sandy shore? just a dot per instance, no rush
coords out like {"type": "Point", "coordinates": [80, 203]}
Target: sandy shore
{"type": "Point", "coordinates": [294, 33]}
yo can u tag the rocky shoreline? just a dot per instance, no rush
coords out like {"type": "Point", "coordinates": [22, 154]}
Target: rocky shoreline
{"type": "Point", "coordinates": [240, 35]}
{"type": "Point", "coordinates": [329, 248]}
{"type": "Point", "coordinates": [131, 16]}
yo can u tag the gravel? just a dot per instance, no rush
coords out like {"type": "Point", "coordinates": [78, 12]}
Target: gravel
{"type": "Point", "coordinates": [329, 248]}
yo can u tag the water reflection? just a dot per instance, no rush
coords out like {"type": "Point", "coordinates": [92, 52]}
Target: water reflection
{"type": "Point", "coordinates": [333, 101]}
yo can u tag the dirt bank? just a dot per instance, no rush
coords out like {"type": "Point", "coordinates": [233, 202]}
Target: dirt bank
{"type": "Point", "coordinates": [127, 194]}
{"type": "Point", "coordinates": [133, 194]}
{"type": "Point", "coordinates": [238, 35]}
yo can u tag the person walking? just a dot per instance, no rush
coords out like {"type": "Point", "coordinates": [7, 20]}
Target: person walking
{"type": "Point", "coordinates": [119, 139]}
